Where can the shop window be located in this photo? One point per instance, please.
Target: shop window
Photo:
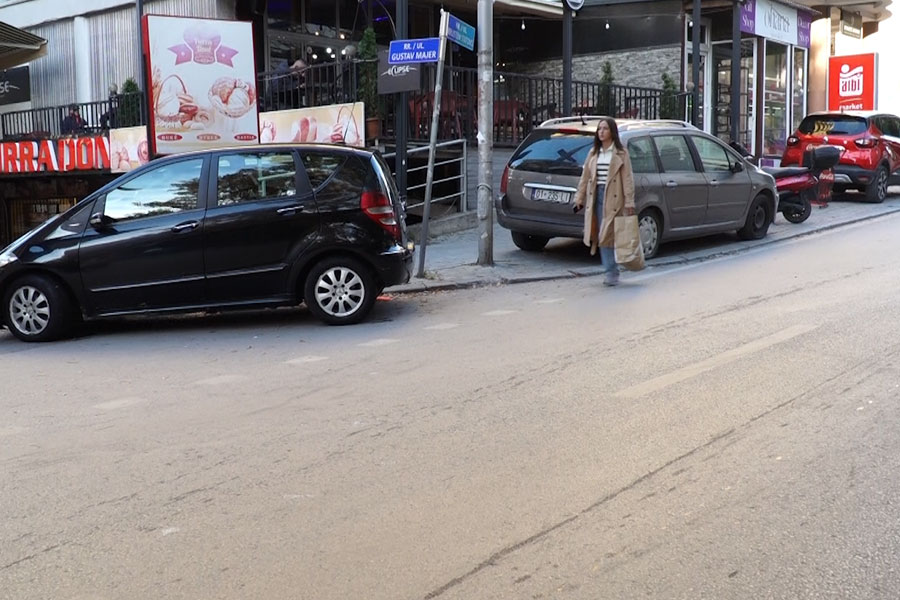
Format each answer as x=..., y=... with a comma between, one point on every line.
x=775, y=106
x=798, y=108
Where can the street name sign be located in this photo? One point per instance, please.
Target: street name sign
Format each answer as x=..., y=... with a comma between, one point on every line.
x=409, y=52
x=462, y=33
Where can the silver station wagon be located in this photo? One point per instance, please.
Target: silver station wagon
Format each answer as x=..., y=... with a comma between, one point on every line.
x=686, y=184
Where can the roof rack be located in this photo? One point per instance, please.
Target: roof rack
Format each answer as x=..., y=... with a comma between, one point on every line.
x=579, y=119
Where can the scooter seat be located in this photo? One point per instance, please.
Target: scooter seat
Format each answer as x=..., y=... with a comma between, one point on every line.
x=779, y=172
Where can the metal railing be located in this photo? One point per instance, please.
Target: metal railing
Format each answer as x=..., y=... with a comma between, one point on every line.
x=316, y=85
x=445, y=175
x=122, y=110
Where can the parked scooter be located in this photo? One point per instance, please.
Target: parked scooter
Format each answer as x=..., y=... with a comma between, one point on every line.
x=801, y=187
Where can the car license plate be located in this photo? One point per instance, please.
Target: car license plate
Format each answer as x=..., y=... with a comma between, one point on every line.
x=554, y=196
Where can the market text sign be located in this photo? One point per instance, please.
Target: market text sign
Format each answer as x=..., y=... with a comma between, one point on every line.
x=851, y=82
x=55, y=156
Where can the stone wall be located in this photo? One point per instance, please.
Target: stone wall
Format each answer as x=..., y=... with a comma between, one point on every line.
x=637, y=68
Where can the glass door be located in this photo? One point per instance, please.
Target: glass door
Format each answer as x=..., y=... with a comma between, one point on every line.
x=775, y=100
x=722, y=93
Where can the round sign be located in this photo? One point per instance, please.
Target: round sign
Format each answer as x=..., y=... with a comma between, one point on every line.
x=575, y=5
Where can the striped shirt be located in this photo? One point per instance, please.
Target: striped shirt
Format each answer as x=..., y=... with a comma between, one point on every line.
x=603, y=159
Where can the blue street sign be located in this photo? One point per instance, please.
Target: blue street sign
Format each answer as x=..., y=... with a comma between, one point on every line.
x=408, y=52
x=462, y=33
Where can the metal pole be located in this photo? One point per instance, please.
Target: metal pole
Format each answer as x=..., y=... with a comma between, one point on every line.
x=435, y=121
x=139, y=30
x=401, y=108
x=735, y=71
x=567, y=60
x=486, y=132
x=695, y=63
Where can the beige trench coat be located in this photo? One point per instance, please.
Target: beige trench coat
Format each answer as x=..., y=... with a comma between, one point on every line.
x=619, y=194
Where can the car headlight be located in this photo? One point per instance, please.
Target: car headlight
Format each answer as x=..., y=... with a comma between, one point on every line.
x=6, y=258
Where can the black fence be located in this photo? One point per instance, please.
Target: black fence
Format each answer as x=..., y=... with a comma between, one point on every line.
x=122, y=110
x=317, y=85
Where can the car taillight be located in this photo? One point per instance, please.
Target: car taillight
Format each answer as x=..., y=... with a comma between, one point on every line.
x=866, y=142
x=504, y=180
x=793, y=141
x=378, y=207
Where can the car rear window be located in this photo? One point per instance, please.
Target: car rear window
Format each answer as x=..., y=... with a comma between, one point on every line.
x=833, y=125
x=549, y=151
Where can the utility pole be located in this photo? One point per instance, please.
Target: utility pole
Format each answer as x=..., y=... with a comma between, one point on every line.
x=485, y=136
x=567, y=59
x=695, y=63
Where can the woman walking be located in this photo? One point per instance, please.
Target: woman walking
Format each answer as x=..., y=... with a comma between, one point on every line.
x=607, y=189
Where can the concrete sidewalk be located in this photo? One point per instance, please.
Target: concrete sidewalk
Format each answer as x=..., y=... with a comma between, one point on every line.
x=450, y=260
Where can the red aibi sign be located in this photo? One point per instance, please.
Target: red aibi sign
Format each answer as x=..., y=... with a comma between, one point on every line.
x=851, y=82
x=55, y=156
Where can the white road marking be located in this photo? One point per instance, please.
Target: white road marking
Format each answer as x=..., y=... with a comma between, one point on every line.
x=121, y=403
x=684, y=373
x=170, y=530
x=379, y=342
x=306, y=359
x=442, y=326
x=550, y=301
x=221, y=380
x=498, y=313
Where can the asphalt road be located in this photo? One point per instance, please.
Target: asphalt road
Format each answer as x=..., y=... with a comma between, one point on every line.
x=724, y=430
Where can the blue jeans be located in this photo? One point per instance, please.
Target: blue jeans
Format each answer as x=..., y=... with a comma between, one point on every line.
x=607, y=255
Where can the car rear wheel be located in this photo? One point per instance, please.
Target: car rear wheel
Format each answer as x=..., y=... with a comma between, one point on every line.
x=650, y=228
x=340, y=291
x=877, y=190
x=758, y=220
x=529, y=243
x=38, y=309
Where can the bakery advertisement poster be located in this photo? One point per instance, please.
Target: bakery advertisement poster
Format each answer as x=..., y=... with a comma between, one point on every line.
x=334, y=124
x=127, y=149
x=203, y=83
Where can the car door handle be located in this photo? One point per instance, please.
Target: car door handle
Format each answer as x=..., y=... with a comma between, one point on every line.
x=714, y=183
x=671, y=184
x=189, y=226
x=289, y=210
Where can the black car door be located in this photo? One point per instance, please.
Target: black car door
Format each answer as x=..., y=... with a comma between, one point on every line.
x=261, y=215
x=144, y=248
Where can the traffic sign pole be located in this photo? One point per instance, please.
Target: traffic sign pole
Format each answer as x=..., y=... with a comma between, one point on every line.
x=435, y=121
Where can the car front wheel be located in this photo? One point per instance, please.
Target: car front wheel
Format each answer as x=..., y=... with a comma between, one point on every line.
x=758, y=219
x=340, y=291
x=37, y=309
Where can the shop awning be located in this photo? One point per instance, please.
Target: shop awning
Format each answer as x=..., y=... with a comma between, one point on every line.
x=542, y=8
x=18, y=47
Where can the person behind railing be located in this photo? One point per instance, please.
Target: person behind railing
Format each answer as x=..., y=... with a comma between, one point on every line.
x=73, y=123
x=110, y=119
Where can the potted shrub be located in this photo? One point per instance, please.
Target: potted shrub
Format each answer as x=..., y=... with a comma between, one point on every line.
x=368, y=83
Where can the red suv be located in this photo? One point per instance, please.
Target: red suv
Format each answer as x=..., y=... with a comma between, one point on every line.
x=871, y=142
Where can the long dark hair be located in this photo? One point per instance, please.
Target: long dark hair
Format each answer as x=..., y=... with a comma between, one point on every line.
x=613, y=130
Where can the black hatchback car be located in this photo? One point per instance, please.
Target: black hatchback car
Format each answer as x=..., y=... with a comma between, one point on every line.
x=227, y=228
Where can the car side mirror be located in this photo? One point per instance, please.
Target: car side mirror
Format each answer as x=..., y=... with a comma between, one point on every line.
x=737, y=167
x=99, y=221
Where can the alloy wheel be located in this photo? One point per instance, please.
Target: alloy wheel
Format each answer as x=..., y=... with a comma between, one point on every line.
x=882, y=185
x=29, y=310
x=649, y=230
x=340, y=291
